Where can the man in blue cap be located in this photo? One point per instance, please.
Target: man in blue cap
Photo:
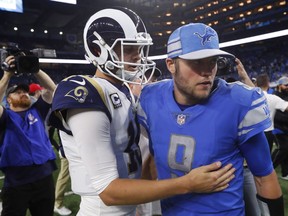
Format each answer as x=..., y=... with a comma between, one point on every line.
x=196, y=119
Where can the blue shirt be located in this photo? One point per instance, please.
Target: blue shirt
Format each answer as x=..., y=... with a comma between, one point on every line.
x=25, y=145
x=218, y=129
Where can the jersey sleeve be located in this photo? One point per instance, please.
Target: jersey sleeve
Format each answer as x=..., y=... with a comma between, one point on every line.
x=257, y=155
x=98, y=158
x=255, y=115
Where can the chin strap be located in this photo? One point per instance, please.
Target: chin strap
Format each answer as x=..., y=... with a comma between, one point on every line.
x=271, y=207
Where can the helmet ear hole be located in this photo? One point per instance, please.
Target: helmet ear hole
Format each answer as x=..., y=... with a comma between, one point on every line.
x=97, y=52
x=95, y=49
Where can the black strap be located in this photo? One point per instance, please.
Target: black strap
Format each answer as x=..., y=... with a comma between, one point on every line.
x=274, y=206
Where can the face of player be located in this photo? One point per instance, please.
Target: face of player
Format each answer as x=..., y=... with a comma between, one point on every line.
x=131, y=54
x=19, y=99
x=193, y=79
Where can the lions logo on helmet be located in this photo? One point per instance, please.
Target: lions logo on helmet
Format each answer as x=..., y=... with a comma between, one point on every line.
x=112, y=26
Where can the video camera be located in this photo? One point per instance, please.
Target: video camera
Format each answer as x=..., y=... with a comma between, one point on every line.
x=25, y=61
x=226, y=65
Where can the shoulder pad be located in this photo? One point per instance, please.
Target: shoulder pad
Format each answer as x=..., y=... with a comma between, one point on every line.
x=78, y=92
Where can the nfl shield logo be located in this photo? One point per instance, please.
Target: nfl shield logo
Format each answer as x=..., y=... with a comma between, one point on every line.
x=181, y=119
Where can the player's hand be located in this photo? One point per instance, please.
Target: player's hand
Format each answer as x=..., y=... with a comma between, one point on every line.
x=210, y=178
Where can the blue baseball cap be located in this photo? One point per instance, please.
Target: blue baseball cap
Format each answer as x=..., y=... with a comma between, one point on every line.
x=194, y=41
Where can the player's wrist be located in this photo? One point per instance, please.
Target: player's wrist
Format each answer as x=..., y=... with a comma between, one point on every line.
x=190, y=184
x=181, y=185
x=275, y=206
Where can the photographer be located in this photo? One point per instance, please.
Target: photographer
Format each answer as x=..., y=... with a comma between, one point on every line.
x=26, y=155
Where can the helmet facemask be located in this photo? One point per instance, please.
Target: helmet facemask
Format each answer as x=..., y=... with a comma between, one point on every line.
x=105, y=40
x=117, y=65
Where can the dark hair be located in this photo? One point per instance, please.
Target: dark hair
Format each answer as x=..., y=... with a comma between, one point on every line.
x=262, y=80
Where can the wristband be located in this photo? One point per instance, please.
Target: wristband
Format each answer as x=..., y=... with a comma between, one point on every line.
x=271, y=207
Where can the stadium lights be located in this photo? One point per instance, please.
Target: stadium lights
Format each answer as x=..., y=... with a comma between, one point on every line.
x=63, y=61
x=224, y=44
x=254, y=38
x=66, y=1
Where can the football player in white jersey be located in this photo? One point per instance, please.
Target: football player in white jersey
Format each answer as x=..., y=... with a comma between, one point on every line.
x=101, y=130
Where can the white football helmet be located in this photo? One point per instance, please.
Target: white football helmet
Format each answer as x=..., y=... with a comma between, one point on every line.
x=117, y=26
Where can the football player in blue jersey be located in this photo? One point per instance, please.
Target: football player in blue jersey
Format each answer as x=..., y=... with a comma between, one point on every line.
x=196, y=119
x=99, y=127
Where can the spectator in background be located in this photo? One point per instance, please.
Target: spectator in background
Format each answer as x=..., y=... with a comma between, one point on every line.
x=35, y=91
x=27, y=158
x=274, y=103
x=280, y=154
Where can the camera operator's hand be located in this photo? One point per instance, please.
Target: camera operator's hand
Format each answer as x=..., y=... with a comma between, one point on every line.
x=10, y=61
x=243, y=76
x=9, y=64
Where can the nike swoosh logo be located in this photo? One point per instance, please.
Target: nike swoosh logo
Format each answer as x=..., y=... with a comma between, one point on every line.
x=83, y=82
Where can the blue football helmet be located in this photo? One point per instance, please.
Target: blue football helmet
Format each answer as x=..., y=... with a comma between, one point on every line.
x=110, y=27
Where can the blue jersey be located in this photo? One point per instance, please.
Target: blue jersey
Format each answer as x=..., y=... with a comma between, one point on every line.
x=211, y=131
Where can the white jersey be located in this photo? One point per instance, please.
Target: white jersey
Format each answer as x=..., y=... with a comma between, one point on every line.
x=103, y=146
x=274, y=103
